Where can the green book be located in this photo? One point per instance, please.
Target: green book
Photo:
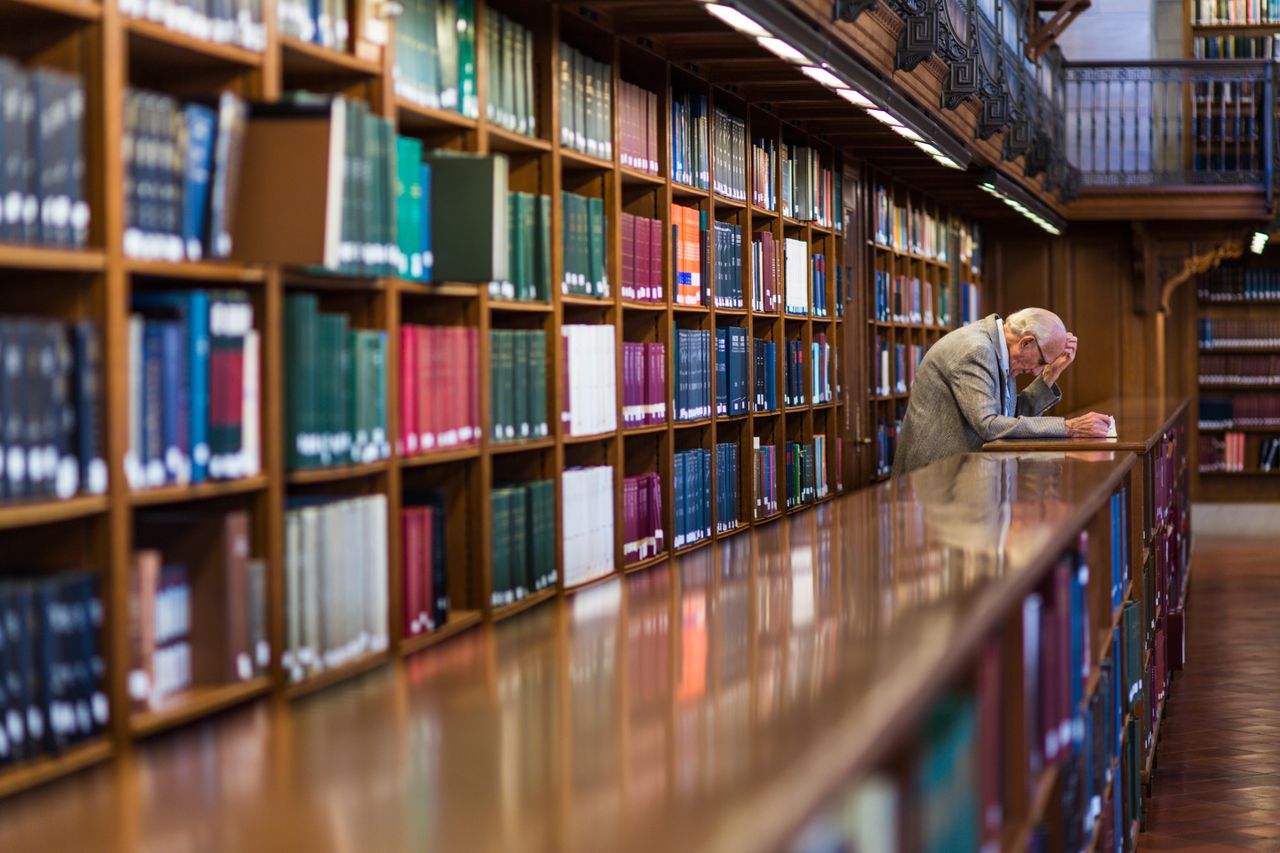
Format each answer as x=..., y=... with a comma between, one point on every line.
x=408, y=206
x=538, y=384
x=429, y=65
x=530, y=111
x=511, y=40
x=514, y=288
x=467, y=93
x=492, y=41
x=470, y=242
x=542, y=263
x=378, y=357
x=528, y=246
x=499, y=539
x=596, y=271
x=447, y=60
x=519, y=542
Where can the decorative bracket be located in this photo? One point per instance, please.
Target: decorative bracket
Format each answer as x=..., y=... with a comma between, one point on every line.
x=849, y=10
x=962, y=82
x=918, y=39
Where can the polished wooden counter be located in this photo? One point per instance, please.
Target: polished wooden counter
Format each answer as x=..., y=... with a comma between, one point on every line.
x=1140, y=421
x=710, y=703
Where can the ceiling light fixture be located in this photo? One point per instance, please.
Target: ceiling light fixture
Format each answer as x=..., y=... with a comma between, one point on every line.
x=782, y=49
x=855, y=97
x=883, y=117
x=823, y=76
x=910, y=134
x=1259, y=242
x=739, y=21
x=1018, y=198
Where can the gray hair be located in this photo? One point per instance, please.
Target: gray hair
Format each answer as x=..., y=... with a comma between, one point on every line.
x=1040, y=323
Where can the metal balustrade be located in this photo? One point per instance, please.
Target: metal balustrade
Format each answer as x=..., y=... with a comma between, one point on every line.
x=1170, y=122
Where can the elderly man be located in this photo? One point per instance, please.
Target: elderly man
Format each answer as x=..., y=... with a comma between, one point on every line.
x=965, y=395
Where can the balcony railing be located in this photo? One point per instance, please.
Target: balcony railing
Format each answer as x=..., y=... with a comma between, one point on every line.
x=1171, y=122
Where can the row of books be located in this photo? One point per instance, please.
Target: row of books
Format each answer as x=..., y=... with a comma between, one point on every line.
x=1242, y=410
x=586, y=103
x=810, y=192
x=728, y=487
x=42, y=147
x=818, y=279
x=181, y=168
x=692, y=496
x=52, y=688
x=435, y=51
x=727, y=263
x=796, y=272
x=764, y=272
x=588, y=523
x=896, y=366
x=236, y=22
x=518, y=384
x=1235, y=12
x=425, y=588
x=194, y=374
x=336, y=605
x=590, y=382
x=820, y=365
x=689, y=161
x=764, y=459
x=642, y=259
x=689, y=255
x=638, y=128
x=511, y=102
x=693, y=374
x=337, y=390
x=906, y=299
x=197, y=606
x=528, y=250
x=1239, y=284
x=439, y=405
x=886, y=443
x=793, y=374
x=1235, y=47
x=644, y=384
x=731, y=371
x=969, y=246
x=523, y=539
x=1226, y=452
x=583, y=243
x=642, y=535
x=50, y=409
x=325, y=23
x=764, y=165
x=729, y=154
x=910, y=229
x=766, y=371
x=1217, y=333
x=1240, y=370
x=805, y=471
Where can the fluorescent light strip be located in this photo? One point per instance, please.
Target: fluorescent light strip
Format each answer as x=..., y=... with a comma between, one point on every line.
x=1030, y=214
x=910, y=134
x=740, y=22
x=782, y=49
x=855, y=97
x=823, y=76
x=883, y=117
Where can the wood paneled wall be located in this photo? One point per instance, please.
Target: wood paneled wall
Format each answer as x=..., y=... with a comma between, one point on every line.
x=1087, y=277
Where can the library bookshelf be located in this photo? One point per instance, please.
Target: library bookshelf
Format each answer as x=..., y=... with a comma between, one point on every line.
x=923, y=263
x=113, y=52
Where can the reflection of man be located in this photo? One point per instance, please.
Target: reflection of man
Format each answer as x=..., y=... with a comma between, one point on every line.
x=965, y=394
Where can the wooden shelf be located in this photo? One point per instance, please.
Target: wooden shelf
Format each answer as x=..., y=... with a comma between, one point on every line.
x=449, y=290
x=679, y=190
x=338, y=674
x=573, y=161
x=157, y=46
x=46, y=259
x=725, y=201
x=511, y=306
x=337, y=473
x=647, y=562
x=510, y=142
x=15, y=515
x=574, y=299
x=459, y=621
x=638, y=178
x=21, y=777
x=305, y=59
x=515, y=608
x=651, y=429
x=523, y=446
x=1237, y=386
x=1275, y=428
x=197, y=491
x=1261, y=348
x=27, y=12
x=1244, y=303
x=196, y=271
x=591, y=439
x=303, y=279
x=196, y=702
x=691, y=309
x=440, y=457
x=1253, y=473
x=632, y=305
x=413, y=116
x=756, y=210
x=722, y=311
x=697, y=424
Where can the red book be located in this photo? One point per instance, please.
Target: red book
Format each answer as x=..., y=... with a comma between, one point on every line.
x=426, y=569
x=408, y=441
x=628, y=223
x=427, y=392
x=412, y=537
x=630, y=547
x=651, y=119
x=473, y=380
x=655, y=373
x=652, y=260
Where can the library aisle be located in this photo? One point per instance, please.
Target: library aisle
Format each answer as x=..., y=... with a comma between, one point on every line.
x=1218, y=781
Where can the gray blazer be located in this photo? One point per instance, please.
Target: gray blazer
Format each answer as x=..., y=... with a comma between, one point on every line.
x=955, y=401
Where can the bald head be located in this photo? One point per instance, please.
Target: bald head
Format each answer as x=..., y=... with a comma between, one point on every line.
x=1036, y=336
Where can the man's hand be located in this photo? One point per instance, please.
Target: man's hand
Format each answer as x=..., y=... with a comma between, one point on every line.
x=1055, y=368
x=1092, y=425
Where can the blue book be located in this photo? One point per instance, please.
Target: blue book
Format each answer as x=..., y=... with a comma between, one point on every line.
x=192, y=309
x=201, y=123
x=678, y=477
x=152, y=428
x=171, y=376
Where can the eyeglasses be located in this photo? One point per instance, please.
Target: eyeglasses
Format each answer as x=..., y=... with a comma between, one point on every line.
x=1044, y=362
